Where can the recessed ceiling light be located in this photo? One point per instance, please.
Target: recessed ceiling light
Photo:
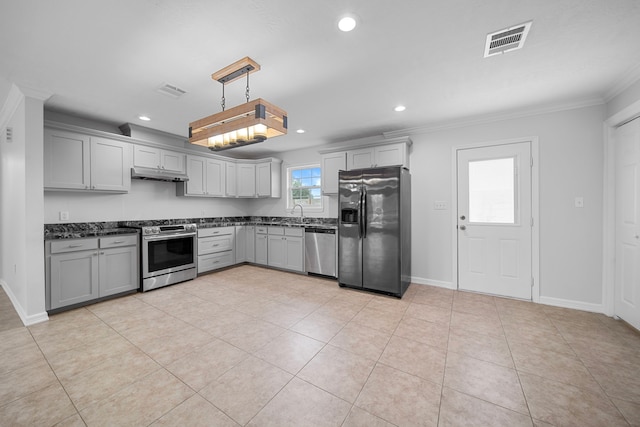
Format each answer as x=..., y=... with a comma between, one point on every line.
x=300, y=131
x=347, y=23
x=400, y=108
x=145, y=118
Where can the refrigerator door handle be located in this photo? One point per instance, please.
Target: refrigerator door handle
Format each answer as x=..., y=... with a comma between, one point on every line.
x=364, y=213
x=360, y=214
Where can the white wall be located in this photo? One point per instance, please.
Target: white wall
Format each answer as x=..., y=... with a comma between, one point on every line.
x=146, y=200
x=21, y=206
x=570, y=165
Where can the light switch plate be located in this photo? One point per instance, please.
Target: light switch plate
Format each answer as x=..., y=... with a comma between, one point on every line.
x=64, y=215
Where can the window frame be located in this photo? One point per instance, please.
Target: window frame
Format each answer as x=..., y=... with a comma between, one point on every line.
x=290, y=169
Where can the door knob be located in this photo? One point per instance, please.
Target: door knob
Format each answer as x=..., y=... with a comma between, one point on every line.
x=463, y=227
x=463, y=217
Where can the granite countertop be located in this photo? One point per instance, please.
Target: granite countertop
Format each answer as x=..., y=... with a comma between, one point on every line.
x=99, y=229
x=267, y=224
x=78, y=234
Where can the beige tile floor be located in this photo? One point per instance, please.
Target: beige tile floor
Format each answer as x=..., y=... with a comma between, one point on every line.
x=258, y=347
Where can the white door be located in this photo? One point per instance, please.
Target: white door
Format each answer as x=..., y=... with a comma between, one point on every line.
x=494, y=220
x=627, y=281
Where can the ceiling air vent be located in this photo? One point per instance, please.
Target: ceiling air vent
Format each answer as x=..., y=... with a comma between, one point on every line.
x=506, y=40
x=171, y=90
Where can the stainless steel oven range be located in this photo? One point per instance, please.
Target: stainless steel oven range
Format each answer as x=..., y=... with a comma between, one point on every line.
x=169, y=255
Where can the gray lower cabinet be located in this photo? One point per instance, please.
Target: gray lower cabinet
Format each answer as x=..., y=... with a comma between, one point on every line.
x=81, y=270
x=216, y=248
x=245, y=243
x=286, y=248
x=261, y=245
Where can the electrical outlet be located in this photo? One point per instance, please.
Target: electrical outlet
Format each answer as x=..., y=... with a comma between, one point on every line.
x=579, y=202
x=439, y=205
x=64, y=215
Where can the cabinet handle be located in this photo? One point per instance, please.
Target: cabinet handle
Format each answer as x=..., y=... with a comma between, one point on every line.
x=215, y=246
x=95, y=254
x=102, y=253
x=76, y=246
x=117, y=241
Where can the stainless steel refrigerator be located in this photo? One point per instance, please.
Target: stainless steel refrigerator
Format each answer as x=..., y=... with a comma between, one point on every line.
x=374, y=230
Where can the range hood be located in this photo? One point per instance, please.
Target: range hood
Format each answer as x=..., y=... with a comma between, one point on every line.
x=158, y=175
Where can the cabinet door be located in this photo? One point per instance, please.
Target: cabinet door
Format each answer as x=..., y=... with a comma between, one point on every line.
x=277, y=251
x=215, y=177
x=241, y=243
x=197, y=184
x=262, y=249
x=246, y=180
x=263, y=179
x=294, y=253
x=230, y=184
x=146, y=157
x=331, y=165
x=172, y=161
x=360, y=159
x=110, y=165
x=390, y=155
x=66, y=160
x=74, y=278
x=118, y=270
x=250, y=243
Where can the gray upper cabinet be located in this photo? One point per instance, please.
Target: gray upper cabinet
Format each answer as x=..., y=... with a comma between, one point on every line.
x=246, y=180
x=378, y=156
x=206, y=178
x=75, y=161
x=388, y=152
x=332, y=164
x=156, y=158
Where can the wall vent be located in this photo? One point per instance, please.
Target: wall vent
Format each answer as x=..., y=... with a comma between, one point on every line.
x=506, y=40
x=171, y=90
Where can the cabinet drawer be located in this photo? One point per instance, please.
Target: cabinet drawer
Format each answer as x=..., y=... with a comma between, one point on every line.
x=117, y=241
x=213, y=261
x=279, y=231
x=216, y=231
x=208, y=245
x=61, y=246
x=261, y=230
x=294, y=231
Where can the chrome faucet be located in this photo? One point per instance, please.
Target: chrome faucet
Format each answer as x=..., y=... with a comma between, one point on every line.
x=301, y=210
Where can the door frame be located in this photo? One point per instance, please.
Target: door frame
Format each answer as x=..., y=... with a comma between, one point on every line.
x=535, y=208
x=609, y=210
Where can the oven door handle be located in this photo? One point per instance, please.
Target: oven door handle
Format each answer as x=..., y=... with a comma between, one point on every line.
x=168, y=236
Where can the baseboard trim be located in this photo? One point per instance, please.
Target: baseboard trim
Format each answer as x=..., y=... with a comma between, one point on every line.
x=432, y=282
x=577, y=305
x=26, y=319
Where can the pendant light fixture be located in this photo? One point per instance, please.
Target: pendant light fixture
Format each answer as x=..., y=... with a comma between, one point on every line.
x=246, y=124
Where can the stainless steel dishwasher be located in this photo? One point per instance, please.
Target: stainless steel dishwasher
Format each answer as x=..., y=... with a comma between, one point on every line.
x=320, y=251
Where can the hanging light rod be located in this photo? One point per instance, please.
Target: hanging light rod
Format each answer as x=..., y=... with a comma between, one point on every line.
x=246, y=124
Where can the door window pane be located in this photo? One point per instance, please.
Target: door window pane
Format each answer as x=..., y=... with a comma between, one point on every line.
x=492, y=187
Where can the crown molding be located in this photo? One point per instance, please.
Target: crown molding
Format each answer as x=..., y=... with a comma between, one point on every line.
x=623, y=84
x=35, y=93
x=479, y=120
x=11, y=104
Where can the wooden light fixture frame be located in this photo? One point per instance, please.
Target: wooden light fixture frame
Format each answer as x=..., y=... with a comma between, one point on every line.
x=248, y=115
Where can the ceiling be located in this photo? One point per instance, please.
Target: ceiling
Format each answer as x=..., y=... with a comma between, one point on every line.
x=105, y=60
